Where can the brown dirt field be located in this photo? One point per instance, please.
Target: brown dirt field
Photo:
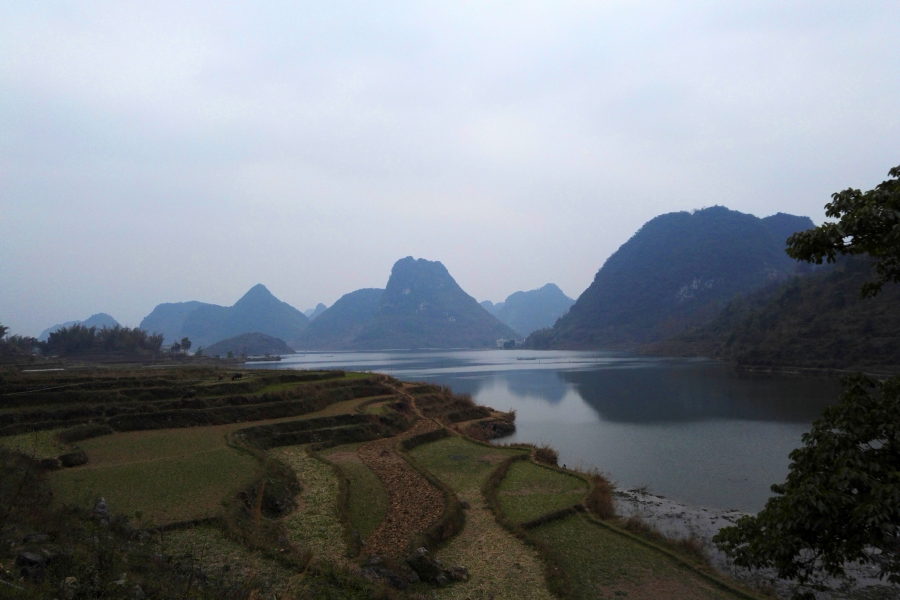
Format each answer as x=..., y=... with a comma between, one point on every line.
x=413, y=505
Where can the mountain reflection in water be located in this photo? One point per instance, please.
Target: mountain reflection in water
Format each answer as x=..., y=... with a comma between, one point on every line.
x=693, y=430
x=680, y=391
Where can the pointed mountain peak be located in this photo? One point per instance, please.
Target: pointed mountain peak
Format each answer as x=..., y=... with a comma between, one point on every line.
x=411, y=267
x=413, y=282
x=257, y=293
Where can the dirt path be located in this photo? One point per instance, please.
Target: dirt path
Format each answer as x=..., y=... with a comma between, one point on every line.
x=413, y=503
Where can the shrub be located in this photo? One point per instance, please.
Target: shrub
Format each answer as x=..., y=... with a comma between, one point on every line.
x=600, y=499
x=547, y=455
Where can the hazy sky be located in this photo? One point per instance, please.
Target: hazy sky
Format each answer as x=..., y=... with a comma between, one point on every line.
x=167, y=151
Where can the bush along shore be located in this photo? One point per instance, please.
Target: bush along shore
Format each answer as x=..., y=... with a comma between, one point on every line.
x=199, y=483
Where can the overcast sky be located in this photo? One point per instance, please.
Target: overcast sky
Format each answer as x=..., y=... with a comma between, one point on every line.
x=167, y=151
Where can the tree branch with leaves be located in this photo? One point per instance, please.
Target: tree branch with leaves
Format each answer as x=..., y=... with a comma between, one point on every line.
x=867, y=223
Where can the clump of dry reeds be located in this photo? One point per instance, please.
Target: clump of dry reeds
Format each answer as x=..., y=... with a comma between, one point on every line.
x=547, y=455
x=600, y=500
x=691, y=544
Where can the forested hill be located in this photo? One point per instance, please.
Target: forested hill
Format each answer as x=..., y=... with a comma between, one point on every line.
x=818, y=321
x=249, y=344
x=422, y=306
x=677, y=272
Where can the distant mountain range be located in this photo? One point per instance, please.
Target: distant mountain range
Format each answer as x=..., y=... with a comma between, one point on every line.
x=249, y=344
x=258, y=311
x=526, y=312
x=713, y=282
x=422, y=306
x=677, y=272
x=100, y=320
x=815, y=321
x=312, y=313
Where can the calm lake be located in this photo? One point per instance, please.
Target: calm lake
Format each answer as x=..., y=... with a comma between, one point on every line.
x=692, y=430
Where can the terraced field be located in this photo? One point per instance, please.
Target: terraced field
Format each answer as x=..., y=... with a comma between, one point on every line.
x=602, y=563
x=501, y=565
x=320, y=484
x=530, y=490
x=367, y=500
x=168, y=474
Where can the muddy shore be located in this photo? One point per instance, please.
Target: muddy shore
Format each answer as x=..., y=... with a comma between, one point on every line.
x=678, y=520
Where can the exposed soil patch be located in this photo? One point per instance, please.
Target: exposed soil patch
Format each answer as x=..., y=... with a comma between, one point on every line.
x=494, y=459
x=413, y=505
x=344, y=457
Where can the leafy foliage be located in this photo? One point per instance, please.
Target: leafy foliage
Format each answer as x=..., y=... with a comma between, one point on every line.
x=841, y=500
x=79, y=339
x=16, y=345
x=868, y=223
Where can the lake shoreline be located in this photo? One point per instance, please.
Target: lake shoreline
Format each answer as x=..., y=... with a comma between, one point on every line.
x=678, y=520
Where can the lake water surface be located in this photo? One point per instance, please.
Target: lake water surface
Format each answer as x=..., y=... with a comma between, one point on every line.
x=692, y=430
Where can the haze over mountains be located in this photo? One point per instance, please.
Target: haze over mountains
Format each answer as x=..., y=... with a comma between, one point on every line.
x=100, y=320
x=422, y=306
x=714, y=282
x=678, y=271
x=168, y=319
x=340, y=325
x=312, y=313
x=526, y=312
x=258, y=311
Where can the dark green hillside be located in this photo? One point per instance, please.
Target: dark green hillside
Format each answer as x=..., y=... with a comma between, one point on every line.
x=678, y=271
x=423, y=307
x=249, y=344
x=257, y=311
x=784, y=225
x=527, y=311
x=818, y=321
x=338, y=326
x=168, y=319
